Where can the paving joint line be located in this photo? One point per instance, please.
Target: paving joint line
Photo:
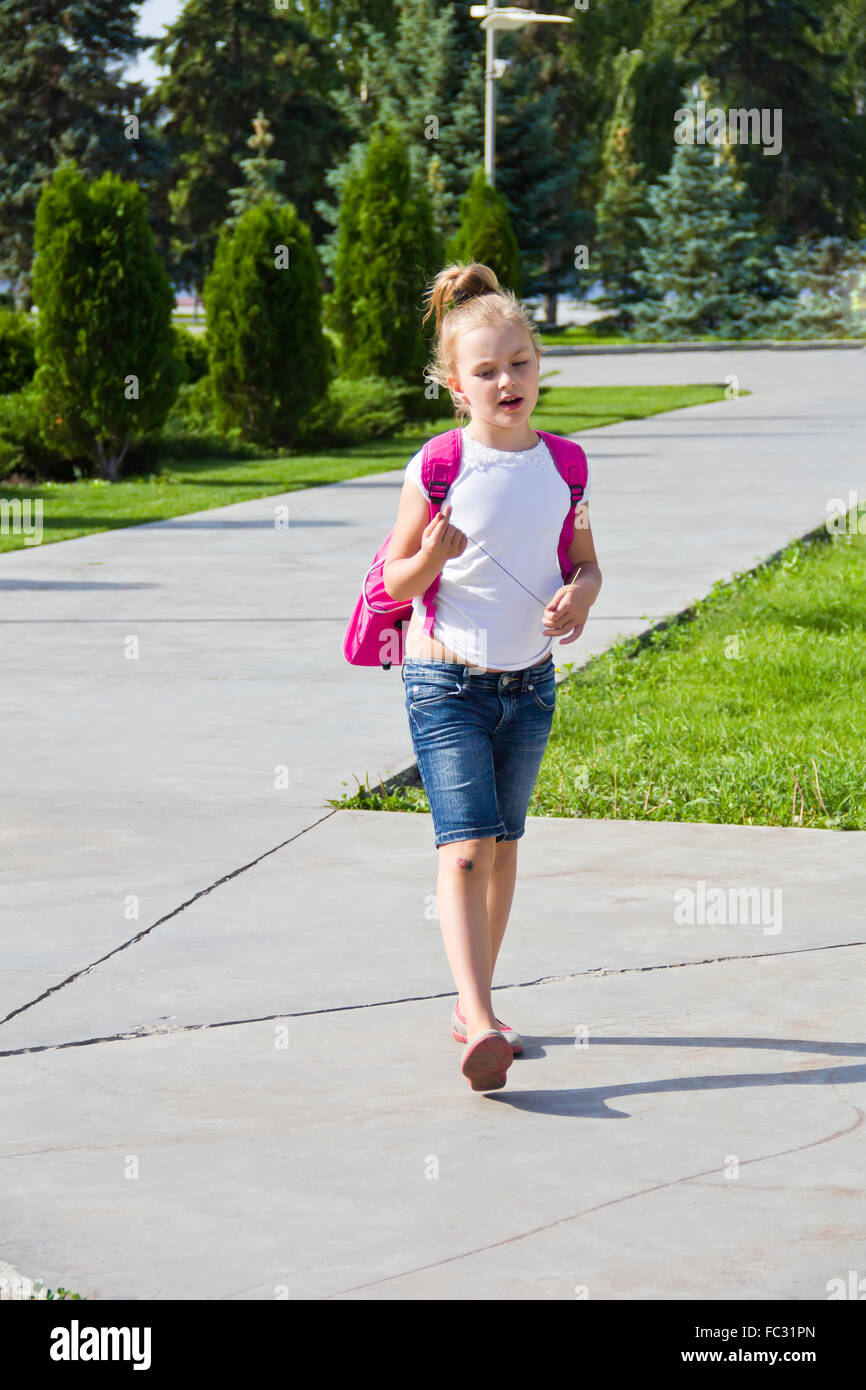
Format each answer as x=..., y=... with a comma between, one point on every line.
x=203, y=892
x=149, y=1030
x=612, y=1202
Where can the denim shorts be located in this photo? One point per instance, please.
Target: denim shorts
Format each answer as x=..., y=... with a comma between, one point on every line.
x=479, y=738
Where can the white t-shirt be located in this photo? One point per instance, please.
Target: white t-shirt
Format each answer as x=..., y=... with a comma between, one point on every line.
x=513, y=505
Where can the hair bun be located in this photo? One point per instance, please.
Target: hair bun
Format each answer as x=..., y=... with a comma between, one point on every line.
x=464, y=293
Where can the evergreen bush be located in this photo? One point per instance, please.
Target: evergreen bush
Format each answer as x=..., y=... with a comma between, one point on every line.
x=191, y=350
x=106, y=372
x=269, y=359
x=387, y=253
x=355, y=410
x=485, y=233
x=22, y=446
x=17, y=350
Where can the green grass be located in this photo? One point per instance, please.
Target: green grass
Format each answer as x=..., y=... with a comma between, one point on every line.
x=183, y=484
x=584, y=335
x=749, y=710
x=587, y=335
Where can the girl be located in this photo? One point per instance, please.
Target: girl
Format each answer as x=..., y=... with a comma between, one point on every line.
x=480, y=692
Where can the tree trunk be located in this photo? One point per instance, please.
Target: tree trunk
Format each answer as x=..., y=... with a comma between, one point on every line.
x=550, y=304
x=115, y=460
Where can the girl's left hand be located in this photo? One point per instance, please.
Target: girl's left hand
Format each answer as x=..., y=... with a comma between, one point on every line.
x=566, y=613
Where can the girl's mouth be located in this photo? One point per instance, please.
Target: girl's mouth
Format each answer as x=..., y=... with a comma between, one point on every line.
x=511, y=402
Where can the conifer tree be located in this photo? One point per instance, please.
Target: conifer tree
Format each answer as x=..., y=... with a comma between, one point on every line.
x=261, y=175
x=62, y=96
x=425, y=76
x=251, y=57
x=387, y=253
x=818, y=280
x=106, y=372
x=540, y=165
x=268, y=357
x=703, y=257
x=774, y=55
x=618, y=233
x=486, y=234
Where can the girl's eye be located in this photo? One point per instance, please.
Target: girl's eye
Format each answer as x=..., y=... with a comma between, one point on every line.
x=516, y=364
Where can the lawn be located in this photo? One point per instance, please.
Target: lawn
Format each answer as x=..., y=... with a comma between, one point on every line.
x=587, y=335
x=748, y=711
x=182, y=484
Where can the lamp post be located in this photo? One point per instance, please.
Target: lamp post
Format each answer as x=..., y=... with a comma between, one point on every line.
x=493, y=19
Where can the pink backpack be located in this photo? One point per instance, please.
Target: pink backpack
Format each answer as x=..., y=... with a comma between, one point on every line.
x=374, y=636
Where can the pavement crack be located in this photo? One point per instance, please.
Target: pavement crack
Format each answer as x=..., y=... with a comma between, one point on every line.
x=133, y=940
x=149, y=1030
x=683, y=964
x=600, y=1206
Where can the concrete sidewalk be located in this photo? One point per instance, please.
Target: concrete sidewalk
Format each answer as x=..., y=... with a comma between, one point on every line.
x=209, y=974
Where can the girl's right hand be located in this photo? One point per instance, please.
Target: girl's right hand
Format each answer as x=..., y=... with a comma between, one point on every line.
x=441, y=541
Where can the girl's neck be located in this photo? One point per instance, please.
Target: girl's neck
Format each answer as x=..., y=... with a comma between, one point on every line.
x=500, y=439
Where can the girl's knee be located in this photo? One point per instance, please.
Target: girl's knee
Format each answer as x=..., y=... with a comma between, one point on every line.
x=468, y=856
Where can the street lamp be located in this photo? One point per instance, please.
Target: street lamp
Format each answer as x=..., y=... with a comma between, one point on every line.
x=493, y=19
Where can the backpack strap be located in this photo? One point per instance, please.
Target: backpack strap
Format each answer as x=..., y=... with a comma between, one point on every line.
x=440, y=464
x=571, y=463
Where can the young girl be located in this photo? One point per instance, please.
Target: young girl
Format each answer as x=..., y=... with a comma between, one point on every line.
x=480, y=692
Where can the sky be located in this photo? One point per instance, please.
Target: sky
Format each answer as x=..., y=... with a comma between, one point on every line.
x=155, y=16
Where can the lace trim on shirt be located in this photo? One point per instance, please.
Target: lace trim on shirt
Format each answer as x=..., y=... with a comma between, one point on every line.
x=538, y=456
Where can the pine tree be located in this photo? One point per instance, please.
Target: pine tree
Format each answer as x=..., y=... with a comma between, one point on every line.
x=703, y=258
x=618, y=233
x=61, y=96
x=540, y=165
x=486, y=234
x=106, y=371
x=261, y=175
x=258, y=58
x=591, y=51
x=387, y=253
x=818, y=281
x=773, y=55
x=427, y=77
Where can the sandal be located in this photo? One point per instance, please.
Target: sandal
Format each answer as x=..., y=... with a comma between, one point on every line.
x=458, y=1031
x=486, y=1060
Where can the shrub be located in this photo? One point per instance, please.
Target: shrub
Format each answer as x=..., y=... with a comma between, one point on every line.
x=486, y=234
x=269, y=358
x=106, y=371
x=350, y=411
x=17, y=355
x=22, y=446
x=191, y=350
x=387, y=250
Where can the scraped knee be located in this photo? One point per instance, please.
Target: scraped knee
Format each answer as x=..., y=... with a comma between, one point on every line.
x=469, y=857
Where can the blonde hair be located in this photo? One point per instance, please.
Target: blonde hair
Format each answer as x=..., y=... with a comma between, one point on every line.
x=476, y=298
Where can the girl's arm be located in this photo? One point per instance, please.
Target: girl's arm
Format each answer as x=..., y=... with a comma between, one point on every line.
x=566, y=614
x=582, y=555
x=418, y=548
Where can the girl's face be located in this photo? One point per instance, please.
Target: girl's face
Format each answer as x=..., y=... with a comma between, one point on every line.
x=494, y=362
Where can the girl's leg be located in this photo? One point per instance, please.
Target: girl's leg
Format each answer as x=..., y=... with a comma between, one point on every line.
x=500, y=894
x=465, y=871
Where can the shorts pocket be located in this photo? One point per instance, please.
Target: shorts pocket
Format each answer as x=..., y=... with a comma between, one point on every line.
x=543, y=692
x=421, y=692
